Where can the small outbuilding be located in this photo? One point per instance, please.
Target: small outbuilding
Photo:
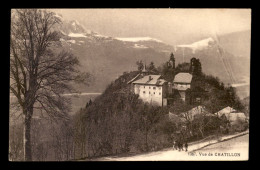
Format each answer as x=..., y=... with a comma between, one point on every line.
x=198, y=110
x=182, y=82
x=231, y=115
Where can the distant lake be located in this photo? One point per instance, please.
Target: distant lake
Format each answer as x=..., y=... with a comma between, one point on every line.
x=78, y=100
x=244, y=81
x=243, y=87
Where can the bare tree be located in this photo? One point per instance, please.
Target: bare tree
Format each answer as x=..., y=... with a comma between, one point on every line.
x=39, y=73
x=16, y=143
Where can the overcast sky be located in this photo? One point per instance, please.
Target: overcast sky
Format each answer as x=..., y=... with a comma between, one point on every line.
x=165, y=24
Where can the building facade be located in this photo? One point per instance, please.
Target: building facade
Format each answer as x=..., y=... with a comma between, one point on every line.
x=182, y=82
x=152, y=89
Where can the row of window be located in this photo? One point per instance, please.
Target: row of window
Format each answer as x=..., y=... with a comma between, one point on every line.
x=150, y=92
x=153, y=88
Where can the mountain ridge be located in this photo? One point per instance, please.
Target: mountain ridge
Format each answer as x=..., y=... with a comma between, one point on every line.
x=108, y=57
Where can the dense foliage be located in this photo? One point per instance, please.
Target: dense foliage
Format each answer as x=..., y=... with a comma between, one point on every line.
x=118, y=122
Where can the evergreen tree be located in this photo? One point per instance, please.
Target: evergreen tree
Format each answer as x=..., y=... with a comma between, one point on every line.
x=195, y=67
x=140, y=65
x=172, y=61
x=90, y=102
x=182, y=67
x=198, y=69
x=151, y=68
x=167, y=72
x=168, y=69
x=192, y=64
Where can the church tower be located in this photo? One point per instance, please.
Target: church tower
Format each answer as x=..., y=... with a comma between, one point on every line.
x=144, y=71
x=172, y=61
x=192, y=65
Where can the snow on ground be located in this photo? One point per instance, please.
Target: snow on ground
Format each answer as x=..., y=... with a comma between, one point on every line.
x=136, y=39
x=165, y=51
x=76, y=35
x=88, y=31
x=58, y=16
x=236, y=148
x=198, y=45
x=139, y=46
x=71, y=41
x=75, y=22
x=102, y=36
x=63, y=32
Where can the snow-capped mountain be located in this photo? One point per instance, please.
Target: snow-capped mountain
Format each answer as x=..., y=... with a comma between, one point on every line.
x=217, y=61
x=73, y=29
x=199, y=45
x=108, y=57
x=137, y=39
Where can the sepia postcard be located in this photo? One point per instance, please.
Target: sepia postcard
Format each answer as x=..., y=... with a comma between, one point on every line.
x=160, y=84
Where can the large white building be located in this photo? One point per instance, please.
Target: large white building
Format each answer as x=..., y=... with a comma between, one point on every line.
x=153, y=89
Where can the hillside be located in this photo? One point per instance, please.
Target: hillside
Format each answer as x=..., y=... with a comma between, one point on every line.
x=119, y=122
x=237, y=43
x=208, y=53
x=223, y=66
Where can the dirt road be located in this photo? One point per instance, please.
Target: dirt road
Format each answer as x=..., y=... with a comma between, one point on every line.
x=232, y=149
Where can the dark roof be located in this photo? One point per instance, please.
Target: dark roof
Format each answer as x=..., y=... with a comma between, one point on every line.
x=196, y=111
x=155, y=80
x=183, y=78
x=136, y=77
